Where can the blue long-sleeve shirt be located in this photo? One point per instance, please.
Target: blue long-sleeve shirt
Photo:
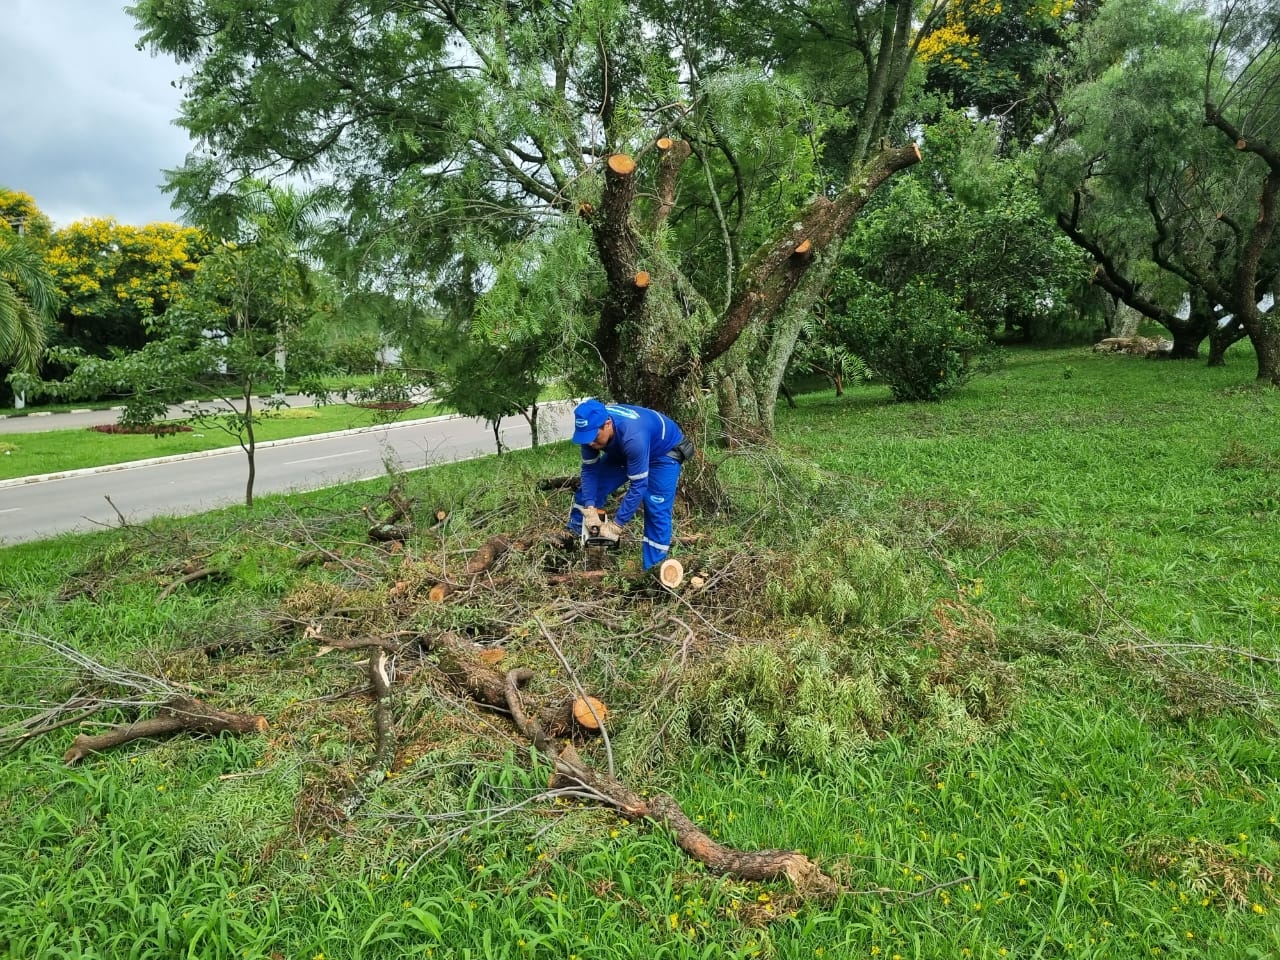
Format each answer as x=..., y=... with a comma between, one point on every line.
x=640, y=436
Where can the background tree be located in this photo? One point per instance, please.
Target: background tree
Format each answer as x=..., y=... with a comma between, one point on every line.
x=991, y=57
x=225, y=332
x=28, y=295
x=454, y=130
x=1136, y=178
x=969, y=223
x=117, y=279
x=19, y=214
x=1242, y=105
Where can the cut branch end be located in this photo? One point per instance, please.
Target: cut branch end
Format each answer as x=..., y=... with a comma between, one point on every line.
x=622, y=165
x=589, y=713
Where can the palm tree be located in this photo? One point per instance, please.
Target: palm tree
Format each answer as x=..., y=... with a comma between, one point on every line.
x=28, y=303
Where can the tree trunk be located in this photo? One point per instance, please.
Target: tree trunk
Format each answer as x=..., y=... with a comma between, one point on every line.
x=1251, y=245
x=250, y=445
x=1126, y=321
x=644, y=340
x=1266, y=343
x=1221, y=340
x=1186, y=344
x=531, y=416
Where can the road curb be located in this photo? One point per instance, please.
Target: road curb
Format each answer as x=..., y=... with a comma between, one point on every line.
x=217, y=452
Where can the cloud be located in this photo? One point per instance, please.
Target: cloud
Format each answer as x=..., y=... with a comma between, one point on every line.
x=89, y=118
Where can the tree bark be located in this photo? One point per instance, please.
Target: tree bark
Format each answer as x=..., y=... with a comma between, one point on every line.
x=1252, y=242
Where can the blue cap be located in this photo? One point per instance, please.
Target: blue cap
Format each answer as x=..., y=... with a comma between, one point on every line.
x=588, y=417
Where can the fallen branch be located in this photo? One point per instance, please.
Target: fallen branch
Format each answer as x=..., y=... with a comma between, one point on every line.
x=577, y=576
x=179, y=714
x=490, y=552
x=501, y=691
x=380, y=679
x=203, y=573
x=388, y=532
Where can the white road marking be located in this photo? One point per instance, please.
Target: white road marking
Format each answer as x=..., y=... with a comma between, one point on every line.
x=11, y=510
x=332, y=456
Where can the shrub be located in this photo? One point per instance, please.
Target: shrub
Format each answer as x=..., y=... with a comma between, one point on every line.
x=916, y=341
x=391, y=387
x=356, y=355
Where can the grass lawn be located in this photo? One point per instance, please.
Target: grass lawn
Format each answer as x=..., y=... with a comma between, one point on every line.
x=53, y=451
x=1005, y=667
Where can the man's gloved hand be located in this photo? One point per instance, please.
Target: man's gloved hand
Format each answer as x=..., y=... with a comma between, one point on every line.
x=610, y=531
x=590, y=517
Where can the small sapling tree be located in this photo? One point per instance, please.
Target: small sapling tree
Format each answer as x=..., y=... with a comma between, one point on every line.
x=224, y=335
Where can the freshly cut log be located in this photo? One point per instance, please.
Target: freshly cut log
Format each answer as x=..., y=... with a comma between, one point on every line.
x=671, y=573
x=441, y=591
x=622, y=165
x=589, y=713
x=490, y=552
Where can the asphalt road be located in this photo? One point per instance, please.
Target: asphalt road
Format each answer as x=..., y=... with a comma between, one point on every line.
x=181, y=486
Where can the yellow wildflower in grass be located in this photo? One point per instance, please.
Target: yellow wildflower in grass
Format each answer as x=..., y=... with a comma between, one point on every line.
x=1259, y=909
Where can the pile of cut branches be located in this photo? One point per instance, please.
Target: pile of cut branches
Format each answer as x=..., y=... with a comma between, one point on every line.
x=409, y=629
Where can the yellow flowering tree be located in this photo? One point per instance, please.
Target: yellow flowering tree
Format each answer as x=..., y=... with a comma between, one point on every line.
x=989, y=54
x=20, y=215
x=116, y=279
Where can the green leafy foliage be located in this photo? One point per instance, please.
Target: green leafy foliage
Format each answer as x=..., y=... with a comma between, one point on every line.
x=356, y=354
x=916, y=340
x=28, y=302
x=809, y=700
x=969, y=222
x=848, y=581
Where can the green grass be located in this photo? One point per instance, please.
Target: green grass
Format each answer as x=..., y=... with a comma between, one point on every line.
x=53, y=451
x=1103, y=528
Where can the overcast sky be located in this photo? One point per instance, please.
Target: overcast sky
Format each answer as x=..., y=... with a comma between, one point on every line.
x=88, y=119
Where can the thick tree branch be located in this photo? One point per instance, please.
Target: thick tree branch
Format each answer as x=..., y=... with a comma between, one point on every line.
x=180, y=713
x=501, y=692
x=774, y=273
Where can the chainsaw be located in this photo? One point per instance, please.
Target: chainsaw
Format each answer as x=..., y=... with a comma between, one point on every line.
x=591, y=535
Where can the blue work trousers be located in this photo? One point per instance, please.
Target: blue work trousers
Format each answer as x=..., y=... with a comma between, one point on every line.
x=659, y=501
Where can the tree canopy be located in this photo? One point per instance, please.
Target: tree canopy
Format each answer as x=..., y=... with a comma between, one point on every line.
x=116, y=279
x=455, y=131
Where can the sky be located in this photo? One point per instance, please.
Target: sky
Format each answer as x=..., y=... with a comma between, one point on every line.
x=88, y=118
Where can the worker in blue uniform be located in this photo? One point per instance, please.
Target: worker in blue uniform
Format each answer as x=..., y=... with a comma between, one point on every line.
x=636, y=446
